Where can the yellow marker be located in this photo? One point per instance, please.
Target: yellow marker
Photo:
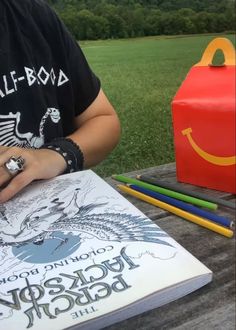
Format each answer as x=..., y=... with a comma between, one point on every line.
x=217, y=160
x=186, y=215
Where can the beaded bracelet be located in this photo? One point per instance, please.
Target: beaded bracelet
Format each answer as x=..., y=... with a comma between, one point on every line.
x=70, y=151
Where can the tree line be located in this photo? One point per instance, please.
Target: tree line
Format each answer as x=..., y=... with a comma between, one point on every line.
x=92, y=19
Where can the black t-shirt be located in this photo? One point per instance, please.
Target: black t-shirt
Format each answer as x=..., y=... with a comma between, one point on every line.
x=45, y=80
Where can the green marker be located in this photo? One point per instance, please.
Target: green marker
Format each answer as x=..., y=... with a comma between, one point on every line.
x=167, y=192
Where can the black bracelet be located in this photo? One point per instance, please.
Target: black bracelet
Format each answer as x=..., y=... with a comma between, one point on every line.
x=70, y=151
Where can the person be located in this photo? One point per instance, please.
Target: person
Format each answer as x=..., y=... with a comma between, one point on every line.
x=54, y=116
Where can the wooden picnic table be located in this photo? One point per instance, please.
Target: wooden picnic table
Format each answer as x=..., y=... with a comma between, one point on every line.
x=212, y=306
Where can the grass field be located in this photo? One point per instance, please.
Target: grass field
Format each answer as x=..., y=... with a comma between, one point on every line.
x=141, y=77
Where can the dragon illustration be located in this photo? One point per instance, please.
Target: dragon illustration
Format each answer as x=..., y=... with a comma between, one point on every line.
x=10, y=135
x=44, y=222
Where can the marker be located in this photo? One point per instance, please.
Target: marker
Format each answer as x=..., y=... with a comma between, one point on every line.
x=166, y=192
x=185, y=206
x=178, y=188
x=186, y=215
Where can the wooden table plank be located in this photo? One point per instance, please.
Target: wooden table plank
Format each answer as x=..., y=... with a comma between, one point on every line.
x=211, y=307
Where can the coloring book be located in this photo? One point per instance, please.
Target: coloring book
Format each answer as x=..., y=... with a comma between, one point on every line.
x=76, y=253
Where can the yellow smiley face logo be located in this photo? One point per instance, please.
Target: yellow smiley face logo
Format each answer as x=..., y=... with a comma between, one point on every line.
x=216, y=160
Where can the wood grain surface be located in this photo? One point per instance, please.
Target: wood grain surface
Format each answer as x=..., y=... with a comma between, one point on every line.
x=211, y=307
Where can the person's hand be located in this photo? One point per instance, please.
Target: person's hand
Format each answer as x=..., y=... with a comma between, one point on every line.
x=39, y=164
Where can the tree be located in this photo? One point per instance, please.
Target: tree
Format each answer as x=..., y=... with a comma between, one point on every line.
x=92, y=19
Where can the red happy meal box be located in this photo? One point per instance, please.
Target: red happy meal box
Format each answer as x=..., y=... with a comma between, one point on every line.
x=203, y=112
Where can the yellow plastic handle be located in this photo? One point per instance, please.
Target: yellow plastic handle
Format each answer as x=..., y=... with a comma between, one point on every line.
x=225, y=46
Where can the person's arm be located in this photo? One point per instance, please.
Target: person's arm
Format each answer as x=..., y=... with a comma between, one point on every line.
x=98, y=130
x=97, y=133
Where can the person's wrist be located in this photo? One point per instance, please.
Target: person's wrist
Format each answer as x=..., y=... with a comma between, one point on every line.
x=69, y=151
x=57, y=159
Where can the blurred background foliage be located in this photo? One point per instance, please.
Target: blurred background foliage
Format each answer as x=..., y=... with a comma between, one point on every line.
x=112, y=19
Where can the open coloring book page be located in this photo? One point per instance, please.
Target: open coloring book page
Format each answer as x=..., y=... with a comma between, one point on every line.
x=73, y=249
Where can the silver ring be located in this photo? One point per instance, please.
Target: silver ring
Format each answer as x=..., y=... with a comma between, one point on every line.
x=14, y=165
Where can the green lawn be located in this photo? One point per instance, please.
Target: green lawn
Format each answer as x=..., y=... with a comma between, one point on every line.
x=141, y=77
